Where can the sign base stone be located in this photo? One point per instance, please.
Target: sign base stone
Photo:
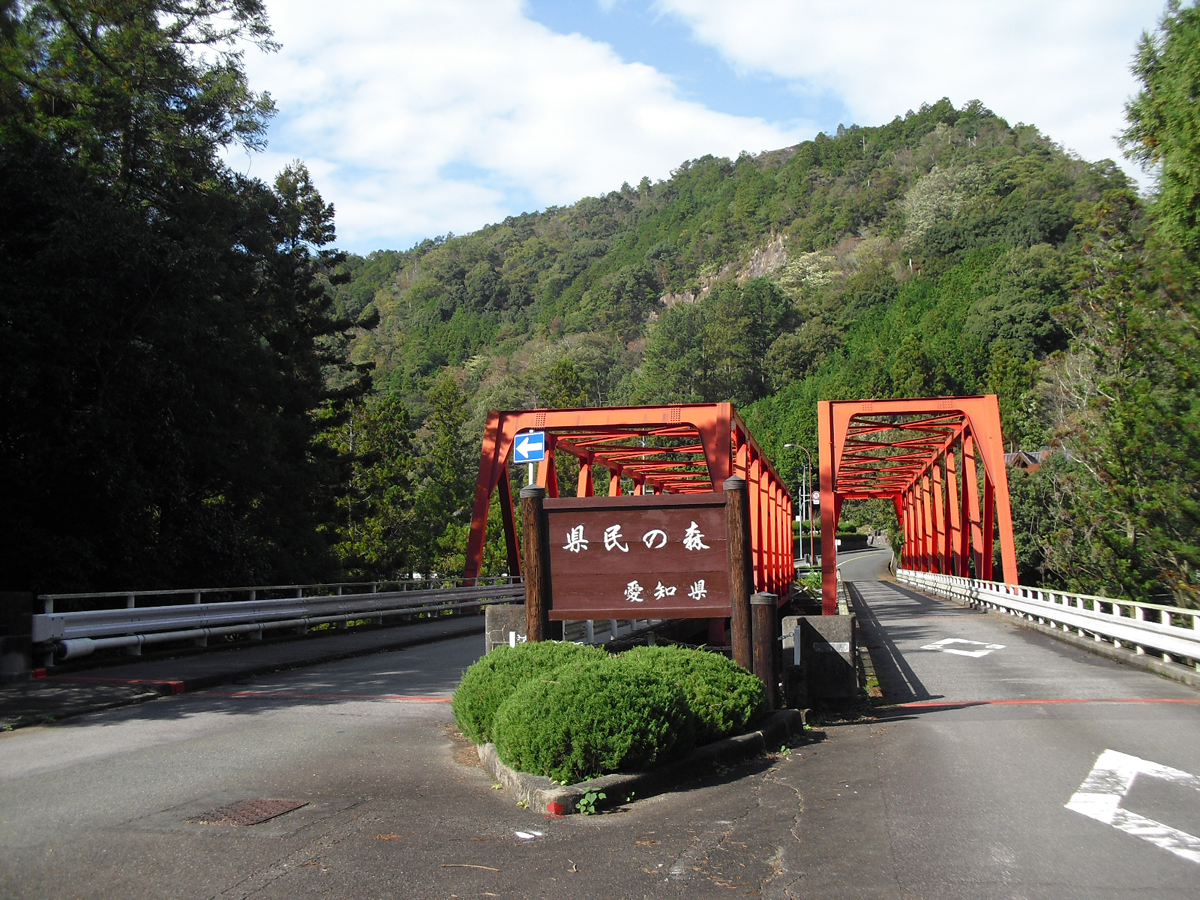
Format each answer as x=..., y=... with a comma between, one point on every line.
x=504, y=625
x=827, y=668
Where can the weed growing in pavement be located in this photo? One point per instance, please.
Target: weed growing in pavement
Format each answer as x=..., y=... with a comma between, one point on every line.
x=523, y=803
x=587, y=803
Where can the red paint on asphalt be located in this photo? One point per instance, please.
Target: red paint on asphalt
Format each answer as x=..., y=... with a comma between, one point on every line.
x=391, y=697
x=958, y=704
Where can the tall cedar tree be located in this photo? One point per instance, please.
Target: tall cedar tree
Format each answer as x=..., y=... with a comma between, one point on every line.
x=165, y=337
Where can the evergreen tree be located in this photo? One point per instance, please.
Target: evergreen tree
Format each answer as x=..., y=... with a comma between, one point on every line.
x=376, y=525
x=163, y=321
x=446, y=492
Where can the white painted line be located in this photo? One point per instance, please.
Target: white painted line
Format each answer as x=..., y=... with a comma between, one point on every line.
x=943, y=645
x=1100, y=796
x=527, y=835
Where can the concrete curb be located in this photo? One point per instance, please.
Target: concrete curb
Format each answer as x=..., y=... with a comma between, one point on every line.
x=544, y=796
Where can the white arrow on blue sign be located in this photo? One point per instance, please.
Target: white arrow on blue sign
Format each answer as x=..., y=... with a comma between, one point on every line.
x=531, y=447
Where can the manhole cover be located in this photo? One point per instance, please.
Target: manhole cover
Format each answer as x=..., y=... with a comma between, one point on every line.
x=246, y=812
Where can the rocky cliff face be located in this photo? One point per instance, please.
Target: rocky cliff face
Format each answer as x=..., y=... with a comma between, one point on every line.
x=763, y=261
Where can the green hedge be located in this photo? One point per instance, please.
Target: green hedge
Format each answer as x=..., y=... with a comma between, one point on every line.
x=724, y=697
x=572, y=712
x=492, y=680
x=583, y=721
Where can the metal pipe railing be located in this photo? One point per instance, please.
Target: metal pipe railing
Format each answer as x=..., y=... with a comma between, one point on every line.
x=1139, y=626
x=335, y=588
x=79, y=633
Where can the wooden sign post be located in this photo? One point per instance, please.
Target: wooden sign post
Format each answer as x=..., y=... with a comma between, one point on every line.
x=537, y=563
x=766, y=647
x=741, y=573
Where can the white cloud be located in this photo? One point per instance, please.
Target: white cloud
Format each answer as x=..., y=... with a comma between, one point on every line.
x=1062, y=65
x=418, y=118
x=389, y=102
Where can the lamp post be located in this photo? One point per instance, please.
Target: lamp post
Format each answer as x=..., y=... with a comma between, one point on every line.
x=806, y=494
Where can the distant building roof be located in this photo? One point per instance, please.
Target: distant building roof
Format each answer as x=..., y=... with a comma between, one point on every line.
x=1027, y=460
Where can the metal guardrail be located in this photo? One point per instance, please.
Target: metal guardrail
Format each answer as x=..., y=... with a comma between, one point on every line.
x=601, y=631
x=1142, y=627
x=71, y=635
x=321, y=589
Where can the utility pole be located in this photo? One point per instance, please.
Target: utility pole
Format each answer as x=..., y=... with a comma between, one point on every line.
x=806, y=503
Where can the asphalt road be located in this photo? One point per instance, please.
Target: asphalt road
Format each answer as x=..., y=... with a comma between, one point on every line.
x=960, y=789
x=966, y=784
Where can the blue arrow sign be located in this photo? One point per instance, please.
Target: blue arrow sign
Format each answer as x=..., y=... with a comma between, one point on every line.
x=531, y=447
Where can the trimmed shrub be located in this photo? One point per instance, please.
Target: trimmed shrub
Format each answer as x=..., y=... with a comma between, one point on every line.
x=491, y=680
x=724, y=697
x=591, y=719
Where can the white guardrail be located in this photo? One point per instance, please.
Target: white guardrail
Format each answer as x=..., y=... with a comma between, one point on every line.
x=77, y=633
x=1170, y=631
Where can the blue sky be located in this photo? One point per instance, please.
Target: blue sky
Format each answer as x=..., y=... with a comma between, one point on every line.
x=420, y=118
x=640, y=32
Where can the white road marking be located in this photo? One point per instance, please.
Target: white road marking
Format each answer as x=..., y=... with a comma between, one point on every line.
x=1100, y=796
x=943, y=645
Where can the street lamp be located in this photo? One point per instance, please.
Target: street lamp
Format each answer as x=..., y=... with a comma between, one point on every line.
x=806, y=495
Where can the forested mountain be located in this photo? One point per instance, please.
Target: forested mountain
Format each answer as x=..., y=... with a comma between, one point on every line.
x=945, y=252
x=740, y=279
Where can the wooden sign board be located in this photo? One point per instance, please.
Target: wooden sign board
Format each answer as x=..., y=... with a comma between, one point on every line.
x=656, y=556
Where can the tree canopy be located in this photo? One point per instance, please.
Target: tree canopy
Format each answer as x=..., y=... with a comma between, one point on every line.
x=165, y=322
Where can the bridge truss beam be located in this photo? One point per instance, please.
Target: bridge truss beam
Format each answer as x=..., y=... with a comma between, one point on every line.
x=922, y=455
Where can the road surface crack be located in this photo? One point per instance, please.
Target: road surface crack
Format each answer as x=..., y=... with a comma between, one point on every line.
x=305, y=856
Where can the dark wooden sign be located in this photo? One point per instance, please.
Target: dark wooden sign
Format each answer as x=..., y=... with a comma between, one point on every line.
x=655, y=556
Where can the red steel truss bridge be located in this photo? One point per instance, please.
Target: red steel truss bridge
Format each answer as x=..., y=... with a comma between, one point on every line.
x=940, y=461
